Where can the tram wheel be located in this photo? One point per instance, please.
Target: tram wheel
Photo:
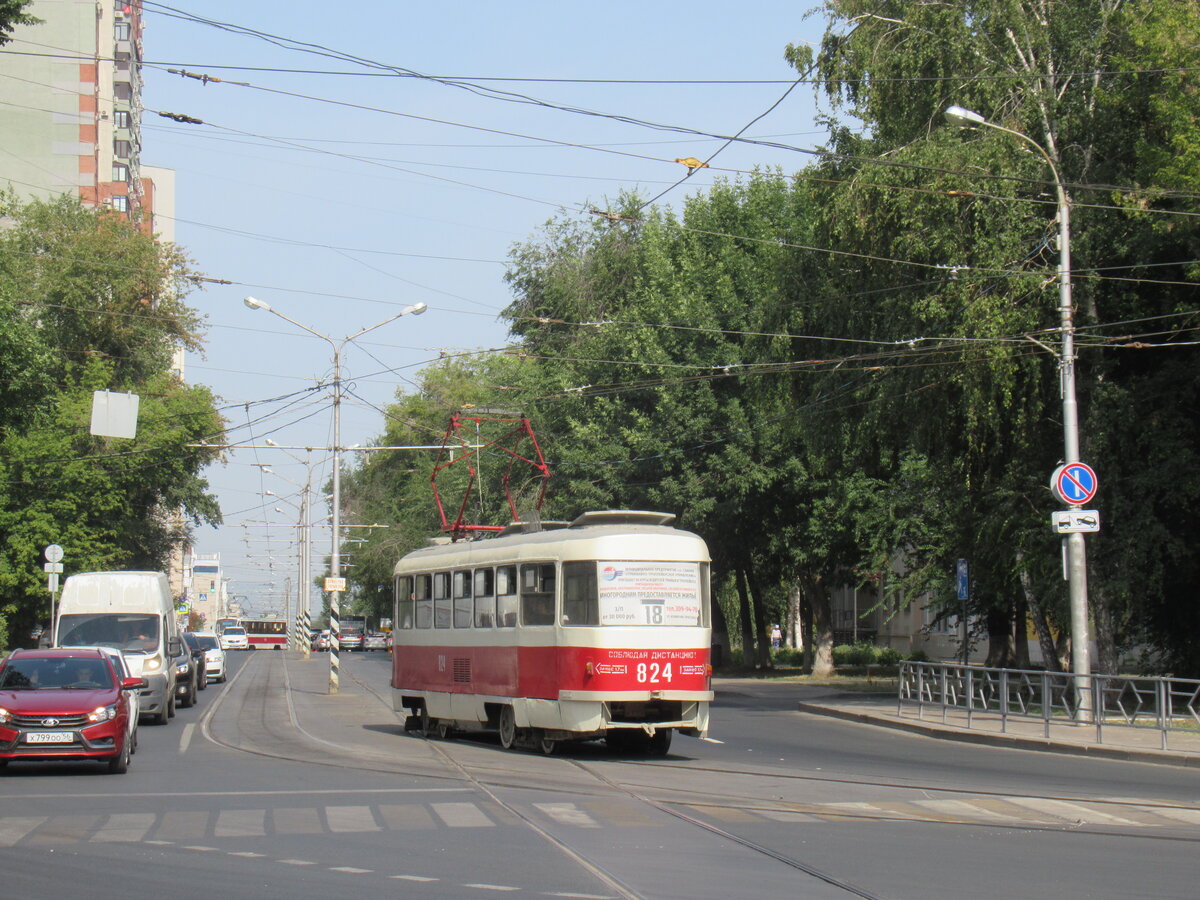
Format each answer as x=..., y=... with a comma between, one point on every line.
x=428, y=723
x=508, y=727
x=660, y=743
x=545, y=744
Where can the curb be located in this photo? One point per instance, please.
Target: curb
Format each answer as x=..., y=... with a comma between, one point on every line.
x=1096, y=751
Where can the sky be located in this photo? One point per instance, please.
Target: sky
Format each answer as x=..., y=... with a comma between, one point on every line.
x=341, y=192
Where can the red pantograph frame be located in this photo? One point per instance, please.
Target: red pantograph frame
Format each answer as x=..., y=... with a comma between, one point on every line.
x=508, y=443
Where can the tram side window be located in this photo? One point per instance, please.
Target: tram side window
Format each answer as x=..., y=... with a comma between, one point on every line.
x=441, y=600
x=462, y=599
x=404, y=601
x=485, y=598
x=537, y=594
x=506, y=597
x=424, y=600
x=581, y=603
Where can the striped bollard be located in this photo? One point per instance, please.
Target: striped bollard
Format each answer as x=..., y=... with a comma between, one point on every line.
x=335, y=642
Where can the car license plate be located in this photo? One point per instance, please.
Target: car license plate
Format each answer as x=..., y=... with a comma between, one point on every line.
x=49, y=737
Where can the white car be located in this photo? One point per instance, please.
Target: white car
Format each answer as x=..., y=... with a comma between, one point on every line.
x=135, y=707
x=214, y=655
x=234, y=638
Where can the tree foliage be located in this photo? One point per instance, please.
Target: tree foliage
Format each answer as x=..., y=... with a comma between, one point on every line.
x=91, y=303
x=12, y=14
x=850, y=375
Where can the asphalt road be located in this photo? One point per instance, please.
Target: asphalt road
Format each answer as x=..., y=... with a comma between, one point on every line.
x=271, y=788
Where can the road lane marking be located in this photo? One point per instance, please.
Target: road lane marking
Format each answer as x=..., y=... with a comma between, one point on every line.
x=462, y=815
x=240, y=823
x=63, y=829
x=179, y=824
x=491, y=887
x=405, y=816
x=1178, y=814
x=15, y=828
x=873, y=809
x=568, y=814
x=186, y=738
x=350, y=819
x=123, y=828
x=297, y=820
x=964, y=809
x=623, y=813
x=780, y=815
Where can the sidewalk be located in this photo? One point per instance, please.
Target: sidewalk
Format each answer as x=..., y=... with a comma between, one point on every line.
x=1119, y=741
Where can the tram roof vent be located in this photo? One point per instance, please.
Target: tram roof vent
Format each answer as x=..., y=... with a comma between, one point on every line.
x=623, y=517
x=531, y=527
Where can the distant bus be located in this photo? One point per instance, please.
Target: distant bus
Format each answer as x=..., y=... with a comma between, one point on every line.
x=265, y=633
x=227, y=620
x=353, y=624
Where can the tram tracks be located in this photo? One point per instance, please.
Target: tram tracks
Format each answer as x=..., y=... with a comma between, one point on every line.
x=683, y=803
x=612, y=881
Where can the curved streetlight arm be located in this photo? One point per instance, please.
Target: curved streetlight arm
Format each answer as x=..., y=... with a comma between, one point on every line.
x=415, y=309
x=254, y=303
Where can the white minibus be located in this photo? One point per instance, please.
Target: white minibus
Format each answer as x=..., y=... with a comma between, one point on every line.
x=133, y=612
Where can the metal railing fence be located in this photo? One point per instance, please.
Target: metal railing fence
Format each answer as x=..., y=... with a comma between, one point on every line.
x=1160, y=704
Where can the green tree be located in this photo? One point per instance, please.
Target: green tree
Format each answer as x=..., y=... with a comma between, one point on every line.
x=1080, y=78
x=94, y=304
x=12, y=14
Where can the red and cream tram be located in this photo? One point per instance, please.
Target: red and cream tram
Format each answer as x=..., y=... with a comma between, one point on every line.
x=594, y=629
x=265, y=633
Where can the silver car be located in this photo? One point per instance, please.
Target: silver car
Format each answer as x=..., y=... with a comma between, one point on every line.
x=375, y=641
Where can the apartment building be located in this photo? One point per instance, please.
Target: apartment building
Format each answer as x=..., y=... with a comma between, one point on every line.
x=71, y=104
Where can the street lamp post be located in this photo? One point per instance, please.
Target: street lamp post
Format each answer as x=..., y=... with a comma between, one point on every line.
x=335, y=563
x=1076, y=549
x=304, y=540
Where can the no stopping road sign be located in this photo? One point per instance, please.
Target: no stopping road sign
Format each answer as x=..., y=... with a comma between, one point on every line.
x=1074, y=483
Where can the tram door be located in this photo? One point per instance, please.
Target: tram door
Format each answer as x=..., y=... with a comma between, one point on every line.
x=539, y=653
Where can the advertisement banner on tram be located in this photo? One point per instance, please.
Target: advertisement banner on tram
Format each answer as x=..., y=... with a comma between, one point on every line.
x=649, y=593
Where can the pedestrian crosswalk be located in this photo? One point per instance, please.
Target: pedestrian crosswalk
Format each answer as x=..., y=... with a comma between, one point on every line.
x=220, y=826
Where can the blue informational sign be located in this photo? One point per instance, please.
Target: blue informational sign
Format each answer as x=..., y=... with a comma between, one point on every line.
x=961, y=575
x=1074, y=483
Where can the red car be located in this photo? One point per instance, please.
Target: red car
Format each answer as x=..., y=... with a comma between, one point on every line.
x=65, y=704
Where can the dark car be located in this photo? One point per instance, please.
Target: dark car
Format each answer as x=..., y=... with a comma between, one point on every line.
x=65, y=704
x=187, y=679
x=199, y=658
